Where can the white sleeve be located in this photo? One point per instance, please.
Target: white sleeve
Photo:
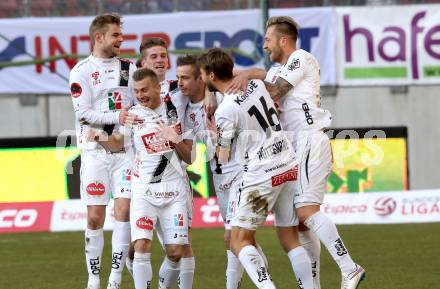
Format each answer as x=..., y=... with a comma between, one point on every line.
x=131, y=95
x=226, y=120
x=188, y=129
x=81, y=92
x=294, y=70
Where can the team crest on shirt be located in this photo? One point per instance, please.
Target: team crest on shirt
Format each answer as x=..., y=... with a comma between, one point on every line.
x=124, y=75
x=192, y=116
x=95, y=78
x=294, y=65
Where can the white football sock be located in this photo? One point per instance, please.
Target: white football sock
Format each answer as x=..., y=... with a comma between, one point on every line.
x=310, y=242
x=186, y=277
x=120, y=241
x=254, y=265
x=234, y=271
x=302, y=267
x=326, y=230
x=168, y=273
x=129, y=265
x=260, y=250
x=142, y=271
x=94, y=243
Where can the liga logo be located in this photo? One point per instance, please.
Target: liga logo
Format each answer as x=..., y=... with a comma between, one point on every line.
x=385, y=206
x=95, y=189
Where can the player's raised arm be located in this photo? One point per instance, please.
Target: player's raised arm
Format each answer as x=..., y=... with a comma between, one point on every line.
x=242, y=77
x=279, y=88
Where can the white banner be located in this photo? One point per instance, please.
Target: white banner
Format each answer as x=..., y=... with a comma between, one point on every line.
x=383, y=208
x=28, y=39
x=71, y=215
x=358, y=208
x=388, y=45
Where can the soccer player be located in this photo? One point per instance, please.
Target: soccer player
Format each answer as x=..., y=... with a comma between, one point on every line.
x=296, y=84
x=154, y=55
x=100, y=87
x=249, y=119
x=226, y=178
x=158, y=187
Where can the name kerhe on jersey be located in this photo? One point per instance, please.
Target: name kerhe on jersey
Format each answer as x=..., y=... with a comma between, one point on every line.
x=154, y=144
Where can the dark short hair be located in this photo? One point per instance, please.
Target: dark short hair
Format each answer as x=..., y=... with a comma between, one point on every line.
x=219, y=62
x=101, y=22
x=143, y=73
x=151, y=42
x=284, y=26
x=191, y=60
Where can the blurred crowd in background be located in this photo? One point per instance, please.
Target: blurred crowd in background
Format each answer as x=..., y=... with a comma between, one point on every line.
x=43, y=8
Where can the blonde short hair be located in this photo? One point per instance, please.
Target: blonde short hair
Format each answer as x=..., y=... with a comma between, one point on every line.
x=284, y=26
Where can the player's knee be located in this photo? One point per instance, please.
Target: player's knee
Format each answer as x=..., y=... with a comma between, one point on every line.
x=142, y=246
x=122, y=212
x=187, y=251
x=174, y=252
x=95, y=221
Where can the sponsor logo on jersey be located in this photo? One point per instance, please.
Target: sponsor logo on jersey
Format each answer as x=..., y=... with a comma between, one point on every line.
x=95, y=78
x=95, y=189
x=290, y=175
x=155, y=144
x=75, y=90
x=294, y=65
x=145, y=223
x=114, y=100
x=307, y=114
x=178, y=220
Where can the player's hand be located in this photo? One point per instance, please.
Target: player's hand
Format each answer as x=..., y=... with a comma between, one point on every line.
x=238, y=83
x=128, y=119
x=95, y=135
x=167, y=132
x=209, y=103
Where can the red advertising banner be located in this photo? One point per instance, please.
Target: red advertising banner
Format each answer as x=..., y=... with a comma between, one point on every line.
x=25, y=217
x=206, y=214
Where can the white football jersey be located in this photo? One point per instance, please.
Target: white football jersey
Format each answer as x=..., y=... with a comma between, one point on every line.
x=179, y=101
x=99, y=89
x=195, y=123
x=301, y=107
x=156, y=160
x=250, y=119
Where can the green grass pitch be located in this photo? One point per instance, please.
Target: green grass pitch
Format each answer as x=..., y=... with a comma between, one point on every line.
x=394, y=256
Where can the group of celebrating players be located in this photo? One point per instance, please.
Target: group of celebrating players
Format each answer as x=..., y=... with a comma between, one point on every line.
x=265, y=141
